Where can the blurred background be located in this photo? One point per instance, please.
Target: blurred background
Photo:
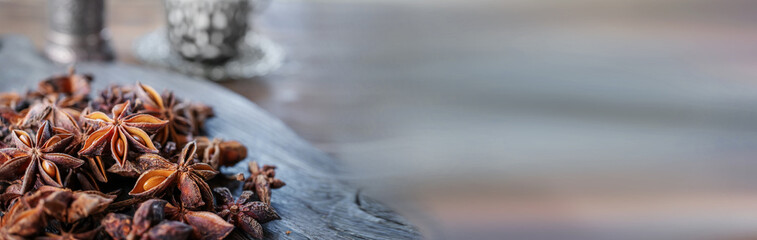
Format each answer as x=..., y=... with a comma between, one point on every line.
x=513, y=119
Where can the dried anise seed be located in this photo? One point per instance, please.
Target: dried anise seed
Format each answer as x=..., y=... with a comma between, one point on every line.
x=38, y=157
x=206, y=225
x=69, y=125
x=69, y=206
x=10, y=100
x=118, y=226
x=178, y=129
x=80, y=178
x=120, y=132
x=169, y=230
x=244, y=212
x=22, y=221
x=198, y=113
x=11, y=191
x=54, y=108
x=72, y=234
x=148, y=223
x=187, y=175
x=112, y=96
x=219, y=153
x=79, y=135
x=262, y=180
x=72, y=84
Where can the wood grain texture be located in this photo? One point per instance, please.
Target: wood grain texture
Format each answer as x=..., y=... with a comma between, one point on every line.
x=315, y=204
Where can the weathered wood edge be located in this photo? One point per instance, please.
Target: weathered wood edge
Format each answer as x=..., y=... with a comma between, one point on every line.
x=315, y=204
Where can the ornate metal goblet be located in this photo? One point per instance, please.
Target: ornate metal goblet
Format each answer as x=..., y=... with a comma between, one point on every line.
x=77, y=31
x=207, y=31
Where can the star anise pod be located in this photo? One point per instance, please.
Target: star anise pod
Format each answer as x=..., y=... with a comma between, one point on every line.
x=148, y=223
x=219, y=153
x=198, y=113
x=69, y=124
x=79, y=136
x=120, y=132
x=206, y=225
x=178, y=129
x=74, y=232
x=69, y=206
x=262, y=180
x=112, y=96
x=54, y=108
x=37, y=157
x=81, y=179
x=74, y=85
x=22, y=221
x=161, y=174
x=10, y=100
x=244, y=212
x=9, y=119
x=12, y=114
x=11, y=191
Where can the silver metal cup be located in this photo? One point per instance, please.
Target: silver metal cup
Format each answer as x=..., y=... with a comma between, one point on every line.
x=206, y=31
x=77, y=31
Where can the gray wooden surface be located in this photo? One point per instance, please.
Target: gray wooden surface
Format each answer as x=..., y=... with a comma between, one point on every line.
x=315, y=204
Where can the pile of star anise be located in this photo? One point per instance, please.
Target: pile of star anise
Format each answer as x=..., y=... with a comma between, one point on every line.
x=129, y=163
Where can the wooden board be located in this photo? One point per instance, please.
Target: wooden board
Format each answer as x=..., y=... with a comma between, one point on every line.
x=315, y=204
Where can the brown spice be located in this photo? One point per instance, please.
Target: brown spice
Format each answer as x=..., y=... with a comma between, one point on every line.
x=219, y=152
x=37, y=159
x=244, y=212
x=168, y=107
x=53, y=182
x=189, y=176
x=148, y=223
x=262, y=180
x=207, y=225
x=120, y=132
